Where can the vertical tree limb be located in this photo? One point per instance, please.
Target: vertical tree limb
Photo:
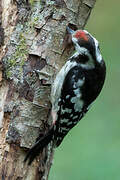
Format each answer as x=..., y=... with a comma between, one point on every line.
x=32, y=52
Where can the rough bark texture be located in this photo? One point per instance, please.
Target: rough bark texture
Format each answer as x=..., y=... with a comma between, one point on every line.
x=32, y=52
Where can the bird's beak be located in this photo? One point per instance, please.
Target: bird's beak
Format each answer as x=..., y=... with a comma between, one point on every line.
x=69, y=30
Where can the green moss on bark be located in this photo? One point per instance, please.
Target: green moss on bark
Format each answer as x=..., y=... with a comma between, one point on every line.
x=17, y=60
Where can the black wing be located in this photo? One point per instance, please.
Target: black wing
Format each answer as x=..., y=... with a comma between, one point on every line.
x=80, y=88
x=71, y=103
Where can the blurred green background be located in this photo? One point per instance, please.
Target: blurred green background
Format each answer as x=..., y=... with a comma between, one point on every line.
x=91, y=151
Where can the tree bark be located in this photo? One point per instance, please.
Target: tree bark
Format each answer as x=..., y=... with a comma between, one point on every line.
x=32, y=52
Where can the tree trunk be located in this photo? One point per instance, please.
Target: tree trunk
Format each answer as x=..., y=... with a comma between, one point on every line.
x=32, y=52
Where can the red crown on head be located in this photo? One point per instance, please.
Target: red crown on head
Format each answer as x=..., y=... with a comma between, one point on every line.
x=81, y=35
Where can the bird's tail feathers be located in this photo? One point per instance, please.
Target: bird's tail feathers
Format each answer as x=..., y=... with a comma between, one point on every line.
x=39, y=145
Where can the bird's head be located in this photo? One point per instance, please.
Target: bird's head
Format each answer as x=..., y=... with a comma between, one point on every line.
x=85, y=43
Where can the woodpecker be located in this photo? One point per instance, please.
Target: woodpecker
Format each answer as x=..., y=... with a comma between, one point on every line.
x=76, y=86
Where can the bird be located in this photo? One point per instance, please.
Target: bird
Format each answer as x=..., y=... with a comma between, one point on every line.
x=75, y=88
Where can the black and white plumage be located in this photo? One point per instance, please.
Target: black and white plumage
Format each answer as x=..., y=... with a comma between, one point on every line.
x=76, y=86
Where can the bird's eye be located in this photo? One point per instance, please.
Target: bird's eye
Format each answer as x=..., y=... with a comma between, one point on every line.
x=99, y=47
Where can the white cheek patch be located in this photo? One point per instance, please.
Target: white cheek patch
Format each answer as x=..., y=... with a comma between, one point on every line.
x=81, y=50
